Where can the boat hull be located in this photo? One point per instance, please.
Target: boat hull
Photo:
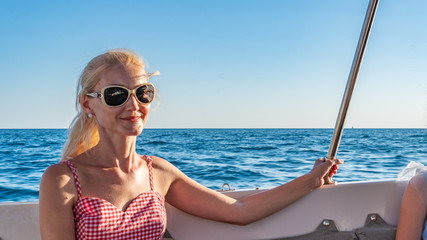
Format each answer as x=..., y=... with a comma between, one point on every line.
x=347, y=204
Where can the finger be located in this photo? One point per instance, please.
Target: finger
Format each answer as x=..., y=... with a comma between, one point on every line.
x=328, y=180
x=335, y=160
x=338, y=161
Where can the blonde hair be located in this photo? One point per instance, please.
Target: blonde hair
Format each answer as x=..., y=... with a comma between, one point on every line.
x=83, y=132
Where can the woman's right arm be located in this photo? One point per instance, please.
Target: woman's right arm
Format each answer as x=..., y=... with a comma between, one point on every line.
x=193, y=198
x=413, y=210
x=57, y=196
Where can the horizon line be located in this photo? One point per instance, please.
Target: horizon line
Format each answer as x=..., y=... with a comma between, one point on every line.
x=202, y=128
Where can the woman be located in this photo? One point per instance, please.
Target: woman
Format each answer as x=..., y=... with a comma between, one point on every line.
x=413, y=211
x=103, y=189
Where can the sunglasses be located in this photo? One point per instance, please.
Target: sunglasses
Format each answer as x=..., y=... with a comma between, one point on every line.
x=116, y=96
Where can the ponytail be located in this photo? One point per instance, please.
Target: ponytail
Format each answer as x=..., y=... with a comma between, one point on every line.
x=82, y=136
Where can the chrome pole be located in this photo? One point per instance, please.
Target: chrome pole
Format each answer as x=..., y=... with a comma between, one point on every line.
x=369, y=18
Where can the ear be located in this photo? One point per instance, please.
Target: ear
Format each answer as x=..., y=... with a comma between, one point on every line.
x=85, y=104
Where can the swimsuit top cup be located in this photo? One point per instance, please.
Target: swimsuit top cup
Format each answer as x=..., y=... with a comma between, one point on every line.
x=96, y=218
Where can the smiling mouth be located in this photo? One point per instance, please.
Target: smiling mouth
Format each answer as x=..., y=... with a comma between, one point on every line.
x=132, y=118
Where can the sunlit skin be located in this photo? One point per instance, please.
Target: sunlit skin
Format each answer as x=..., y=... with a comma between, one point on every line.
x=412, y=216
x=113, y=171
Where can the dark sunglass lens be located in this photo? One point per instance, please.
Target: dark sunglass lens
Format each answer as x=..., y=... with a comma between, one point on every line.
x=145, y=93
x=115, y=96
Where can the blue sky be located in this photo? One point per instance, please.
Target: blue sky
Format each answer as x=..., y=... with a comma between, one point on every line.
x=223, y=64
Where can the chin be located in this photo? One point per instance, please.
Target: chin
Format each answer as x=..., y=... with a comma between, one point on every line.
x=134, y=130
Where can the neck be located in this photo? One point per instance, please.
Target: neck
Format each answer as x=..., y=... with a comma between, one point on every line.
x=116, y=152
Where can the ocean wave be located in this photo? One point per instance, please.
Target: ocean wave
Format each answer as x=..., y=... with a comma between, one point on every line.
x=258, y=148
x=10, y=194
x=157, y=142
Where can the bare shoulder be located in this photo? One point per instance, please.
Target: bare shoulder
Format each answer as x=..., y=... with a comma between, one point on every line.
x=57, y=171
x=58, y=179
x=169, y=174
x=165, y=173
x=166, y=168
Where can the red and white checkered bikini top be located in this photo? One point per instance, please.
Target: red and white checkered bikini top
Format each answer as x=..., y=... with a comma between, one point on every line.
x=96, y=218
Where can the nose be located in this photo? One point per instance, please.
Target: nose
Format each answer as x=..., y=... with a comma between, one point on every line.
x=132, y=104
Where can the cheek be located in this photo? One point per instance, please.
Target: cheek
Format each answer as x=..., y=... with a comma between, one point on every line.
x=145, y=109
x=106, y=116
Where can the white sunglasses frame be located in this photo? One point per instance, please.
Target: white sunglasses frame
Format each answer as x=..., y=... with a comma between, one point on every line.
x=130, y=92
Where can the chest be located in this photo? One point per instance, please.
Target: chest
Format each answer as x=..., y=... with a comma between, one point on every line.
x=115, y=188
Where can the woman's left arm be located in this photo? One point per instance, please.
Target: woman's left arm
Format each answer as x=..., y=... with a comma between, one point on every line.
x=191, y=197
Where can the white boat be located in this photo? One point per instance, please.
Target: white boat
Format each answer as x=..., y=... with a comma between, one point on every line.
x=342, y=210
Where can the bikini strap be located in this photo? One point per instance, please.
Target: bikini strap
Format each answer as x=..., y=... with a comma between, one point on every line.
x=150, y=170
x=76, y=178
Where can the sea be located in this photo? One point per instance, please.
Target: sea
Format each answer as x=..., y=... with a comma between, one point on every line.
x=242, y=158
